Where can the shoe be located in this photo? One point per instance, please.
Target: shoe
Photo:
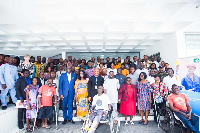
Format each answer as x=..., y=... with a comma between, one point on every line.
x=64, y=122
x=147, y=123
x=4, y=107
x=21, y=127
x=71, y=121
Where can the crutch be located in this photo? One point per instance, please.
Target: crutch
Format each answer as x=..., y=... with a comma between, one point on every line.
x=36, y=116
x=56, y=119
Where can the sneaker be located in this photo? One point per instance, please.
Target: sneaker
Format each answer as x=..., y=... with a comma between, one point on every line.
x=4, y=107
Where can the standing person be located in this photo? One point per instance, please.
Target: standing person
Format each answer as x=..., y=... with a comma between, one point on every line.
x=120, y=77
x=160, y=93
x=146, y=61
x=32, y=59
x=42, y=79
x=1, y=59
x=104, y=74
x=159, y=60
x=171, y=79
x=38, y=67
x=179, y=104
x=31, y=98
x=127, y=99
x=191, y=81
x=111, y=87
x=126, y=64
x=133, y=76
x=150, y=78
x=20, y=85
x=26, y=65
x=144, y=97
x=6, y=58
x=153, y=61
x=47, y=74
x=8, y=78
x=67, y=92
x=161, y=73
x=81, y=94
x=112, y=68
x=118, y=61
x=153, y=67
x=125, y=72
x=142, y=69
x=46, y=92
x=90, y=71
x=93, y=83
x=108, y=62
x=60, y=71
x=135, y=63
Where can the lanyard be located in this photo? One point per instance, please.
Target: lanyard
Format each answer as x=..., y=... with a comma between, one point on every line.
x=96, y=80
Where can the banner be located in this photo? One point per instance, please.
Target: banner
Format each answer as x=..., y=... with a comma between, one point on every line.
x=188, y=70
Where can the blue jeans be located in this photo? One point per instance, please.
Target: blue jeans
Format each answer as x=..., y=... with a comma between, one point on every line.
x=192, y=124
x=4, y=94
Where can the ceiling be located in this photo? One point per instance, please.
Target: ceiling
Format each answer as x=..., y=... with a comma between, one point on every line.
x=50, y=27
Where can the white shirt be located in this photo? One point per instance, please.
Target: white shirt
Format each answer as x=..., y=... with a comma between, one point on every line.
x=111, y=86
x=105, y=77
x=69, y=77
x=58, y=74
x=138, y=71
x=170, y=81
x=151, y=79
x=56, y=85
x=42, y=81
x=101, y=102
x=114, y=70
x=135, y=63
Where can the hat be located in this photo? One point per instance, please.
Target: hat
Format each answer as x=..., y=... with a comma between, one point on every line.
x=161, y=66
x=191, y=65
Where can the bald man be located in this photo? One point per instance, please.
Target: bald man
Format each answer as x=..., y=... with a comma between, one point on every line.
x=66, y=93
x=93, y=84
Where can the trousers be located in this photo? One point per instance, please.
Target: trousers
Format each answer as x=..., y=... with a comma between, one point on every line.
x=4, y=93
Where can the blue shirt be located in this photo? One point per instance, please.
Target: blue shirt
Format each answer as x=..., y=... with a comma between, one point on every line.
x=121, y=78
x=189, y=84
x=28, y=81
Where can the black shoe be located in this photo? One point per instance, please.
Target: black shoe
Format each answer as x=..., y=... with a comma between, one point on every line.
x=4, y=107
x=64, y=122
x=71, y=121
x=21, y=127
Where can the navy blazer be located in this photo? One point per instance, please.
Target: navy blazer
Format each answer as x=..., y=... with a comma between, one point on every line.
x=65, y=86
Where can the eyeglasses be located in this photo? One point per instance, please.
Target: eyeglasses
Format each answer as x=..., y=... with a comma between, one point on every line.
x=128, y=80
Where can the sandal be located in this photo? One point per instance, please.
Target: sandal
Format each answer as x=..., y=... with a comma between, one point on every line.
x=146, y=123
x=46, y=126
x=126, y=123
x=29, y=130
x=36, y=127
x=132, y=123
x=141, y=121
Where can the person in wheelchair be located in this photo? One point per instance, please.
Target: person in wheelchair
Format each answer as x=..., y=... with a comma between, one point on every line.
x=100, y=107
x=180, y=106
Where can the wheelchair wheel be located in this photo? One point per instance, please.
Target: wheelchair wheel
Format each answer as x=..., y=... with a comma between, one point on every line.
x=166, y=119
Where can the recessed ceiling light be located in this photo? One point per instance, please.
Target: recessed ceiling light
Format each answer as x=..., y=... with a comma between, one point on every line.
x=8, y=49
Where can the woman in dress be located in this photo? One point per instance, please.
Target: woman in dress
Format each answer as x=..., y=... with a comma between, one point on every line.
x=47, y=74
x=160, y=93
x=81, y=94
x=31, y=98
x=26, y=65
x=144, y=97
x=127, y=99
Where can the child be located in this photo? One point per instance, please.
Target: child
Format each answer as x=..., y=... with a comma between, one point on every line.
x=45, y=102
x=101, y=103
x=31, y=98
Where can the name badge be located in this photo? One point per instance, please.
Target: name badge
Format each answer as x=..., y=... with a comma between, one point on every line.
x=95, y=86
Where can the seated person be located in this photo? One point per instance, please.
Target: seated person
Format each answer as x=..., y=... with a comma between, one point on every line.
x=179, y=105
x=100, y=105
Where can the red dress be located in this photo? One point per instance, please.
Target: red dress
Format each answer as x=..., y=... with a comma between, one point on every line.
x=128, y=107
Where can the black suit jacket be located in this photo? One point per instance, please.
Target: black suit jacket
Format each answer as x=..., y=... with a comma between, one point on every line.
x=20, y=86
x=91, y=86
x=136, y=66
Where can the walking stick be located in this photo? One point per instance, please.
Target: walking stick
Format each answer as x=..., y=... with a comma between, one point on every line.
x=36, y=116
x=56, y=119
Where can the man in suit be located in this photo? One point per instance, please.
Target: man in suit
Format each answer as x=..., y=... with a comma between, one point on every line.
x=135, y=63
x=93, y=84
x=20, y=85
x=66, y=93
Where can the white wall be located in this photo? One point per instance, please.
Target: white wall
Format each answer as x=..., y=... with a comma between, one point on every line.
x=167, y=48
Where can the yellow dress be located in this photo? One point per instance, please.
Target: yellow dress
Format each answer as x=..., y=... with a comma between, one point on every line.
x=38, y=69
x=81, y=89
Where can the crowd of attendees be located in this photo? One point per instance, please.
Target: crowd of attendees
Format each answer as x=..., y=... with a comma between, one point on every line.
x=65, y=83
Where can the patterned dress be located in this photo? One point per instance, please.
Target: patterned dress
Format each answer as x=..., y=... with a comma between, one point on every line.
x=81, y=88
x=33, y=92
x=22, y=66
x=89, y=72
x=144, y=89
x=37, y=69
x=158, y=91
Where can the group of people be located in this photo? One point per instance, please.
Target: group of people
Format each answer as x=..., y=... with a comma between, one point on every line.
x=127, y=87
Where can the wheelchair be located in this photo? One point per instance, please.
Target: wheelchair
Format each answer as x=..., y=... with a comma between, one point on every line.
x=109, y=119
x=167, y=120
